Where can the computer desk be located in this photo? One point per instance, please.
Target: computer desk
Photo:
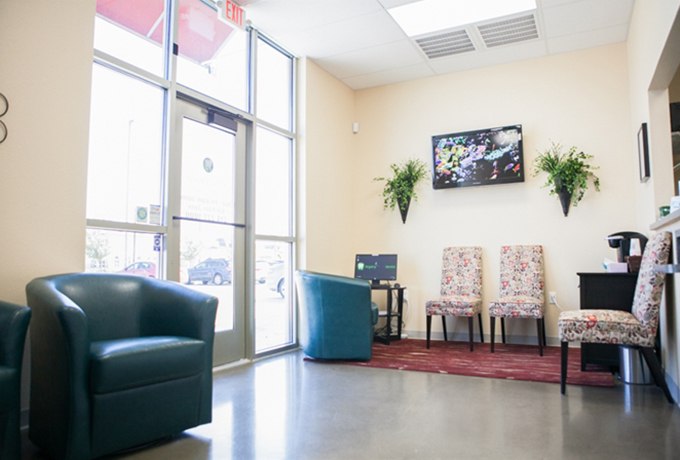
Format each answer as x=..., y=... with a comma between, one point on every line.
x=389, y=313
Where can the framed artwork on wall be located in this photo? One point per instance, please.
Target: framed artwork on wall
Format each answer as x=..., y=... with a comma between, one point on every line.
x=643, y=153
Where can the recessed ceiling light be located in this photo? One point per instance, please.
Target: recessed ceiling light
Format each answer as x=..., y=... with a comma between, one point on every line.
x=427, y=16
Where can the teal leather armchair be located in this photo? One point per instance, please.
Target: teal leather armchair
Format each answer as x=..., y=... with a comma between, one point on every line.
x=117, y=361
x=336, y=316
x=14, y=321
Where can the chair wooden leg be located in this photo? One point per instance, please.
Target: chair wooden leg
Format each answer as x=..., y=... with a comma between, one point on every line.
x=563, y=367
x=444, y=327
x=545, y=342
x=492, y=325
x=539, y=335
x=470, y=324
x=503, y=329
x=428, y=329
x=481, y=329
x=657, y=371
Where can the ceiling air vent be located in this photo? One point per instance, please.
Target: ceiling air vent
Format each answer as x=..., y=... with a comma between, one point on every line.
x=513, y=30
x=445, y=44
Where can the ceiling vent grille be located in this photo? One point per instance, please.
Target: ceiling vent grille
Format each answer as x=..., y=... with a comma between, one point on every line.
x=446, y=44
x=508, y=31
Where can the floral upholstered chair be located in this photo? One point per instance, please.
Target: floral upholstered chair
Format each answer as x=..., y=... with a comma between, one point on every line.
x=637, y=328
x=521, y=290
x=461, y=289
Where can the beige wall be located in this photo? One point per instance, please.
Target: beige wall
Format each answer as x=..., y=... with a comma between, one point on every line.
x=326, y=171
x=576, y=99
x=650, y=26
x=45, y=74
x=653, y=60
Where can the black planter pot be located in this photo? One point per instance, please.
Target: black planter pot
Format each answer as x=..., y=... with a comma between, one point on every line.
x=403, y=209
x=565, y=200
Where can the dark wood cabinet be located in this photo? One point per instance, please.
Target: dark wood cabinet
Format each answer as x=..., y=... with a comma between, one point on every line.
x=610, y=291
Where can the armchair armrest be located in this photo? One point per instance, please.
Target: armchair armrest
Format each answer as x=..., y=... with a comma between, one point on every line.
x=13, y=324
x=59, y=359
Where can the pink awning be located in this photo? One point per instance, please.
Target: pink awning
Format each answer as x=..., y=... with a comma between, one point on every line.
x=201, y=33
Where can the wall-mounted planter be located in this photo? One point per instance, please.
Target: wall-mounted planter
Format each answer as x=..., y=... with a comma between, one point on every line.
x=569, y=174
x=400, y=188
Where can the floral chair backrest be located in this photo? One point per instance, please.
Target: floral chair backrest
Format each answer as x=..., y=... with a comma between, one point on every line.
x=522, y=271
x=462, y=271
x=649, y=287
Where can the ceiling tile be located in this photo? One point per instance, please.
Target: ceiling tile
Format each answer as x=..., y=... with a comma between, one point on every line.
x=488, y=57
x=389, y=76
x=394, y=3
x=589, y=39
x=280, y=16
x=348, y=35
x=371, y=60
x=551, y=3
x=585, y=15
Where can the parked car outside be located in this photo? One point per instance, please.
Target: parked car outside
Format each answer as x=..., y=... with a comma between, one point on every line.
x=142, y=269
x=276, y=277
x=216, y=271
x=261, y=271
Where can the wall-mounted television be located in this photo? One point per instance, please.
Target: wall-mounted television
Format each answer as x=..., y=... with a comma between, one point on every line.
x=375, y=267
x=480, y=157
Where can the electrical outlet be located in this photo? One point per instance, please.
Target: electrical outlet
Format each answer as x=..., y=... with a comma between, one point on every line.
x=553, y=297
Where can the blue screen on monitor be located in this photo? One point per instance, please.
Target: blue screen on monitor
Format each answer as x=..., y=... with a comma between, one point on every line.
x=376, y=267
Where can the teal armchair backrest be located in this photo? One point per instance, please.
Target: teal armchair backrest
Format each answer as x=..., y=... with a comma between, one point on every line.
x=336, y=316
x=116, y=306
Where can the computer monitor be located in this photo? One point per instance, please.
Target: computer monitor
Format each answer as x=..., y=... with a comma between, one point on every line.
x=375, y=267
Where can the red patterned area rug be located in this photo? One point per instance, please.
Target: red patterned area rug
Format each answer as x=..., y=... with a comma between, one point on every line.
x=514, y=362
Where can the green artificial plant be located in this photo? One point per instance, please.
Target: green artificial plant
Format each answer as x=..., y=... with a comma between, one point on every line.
x=569, y=173
x=400, y=188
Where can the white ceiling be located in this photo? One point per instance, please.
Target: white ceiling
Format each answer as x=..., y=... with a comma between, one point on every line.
x=359, y=43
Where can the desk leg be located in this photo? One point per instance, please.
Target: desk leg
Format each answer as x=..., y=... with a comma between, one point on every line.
x=400, y=309
x=388, y=329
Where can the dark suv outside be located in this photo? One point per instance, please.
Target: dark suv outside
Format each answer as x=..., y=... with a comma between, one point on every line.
x=217, y=271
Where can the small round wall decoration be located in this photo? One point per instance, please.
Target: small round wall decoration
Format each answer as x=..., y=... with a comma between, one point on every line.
x=4, y=107
x=208, y=165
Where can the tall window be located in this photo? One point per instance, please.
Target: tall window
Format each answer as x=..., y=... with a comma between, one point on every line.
x=137, y=77
x=274, y=230
x=274, y=236
x=274, y=85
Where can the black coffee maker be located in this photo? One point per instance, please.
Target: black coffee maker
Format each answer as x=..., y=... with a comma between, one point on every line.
x=621, y=242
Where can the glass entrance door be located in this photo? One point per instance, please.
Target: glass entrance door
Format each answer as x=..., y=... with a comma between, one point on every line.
x=206, y=227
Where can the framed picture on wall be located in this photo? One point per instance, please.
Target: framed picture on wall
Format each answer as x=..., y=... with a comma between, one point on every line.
x=643, y=153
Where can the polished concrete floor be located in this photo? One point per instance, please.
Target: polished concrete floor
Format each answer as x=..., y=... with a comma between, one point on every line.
x=286, y=408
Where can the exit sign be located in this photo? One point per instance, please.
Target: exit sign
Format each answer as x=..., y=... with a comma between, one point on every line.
x=232, y=13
